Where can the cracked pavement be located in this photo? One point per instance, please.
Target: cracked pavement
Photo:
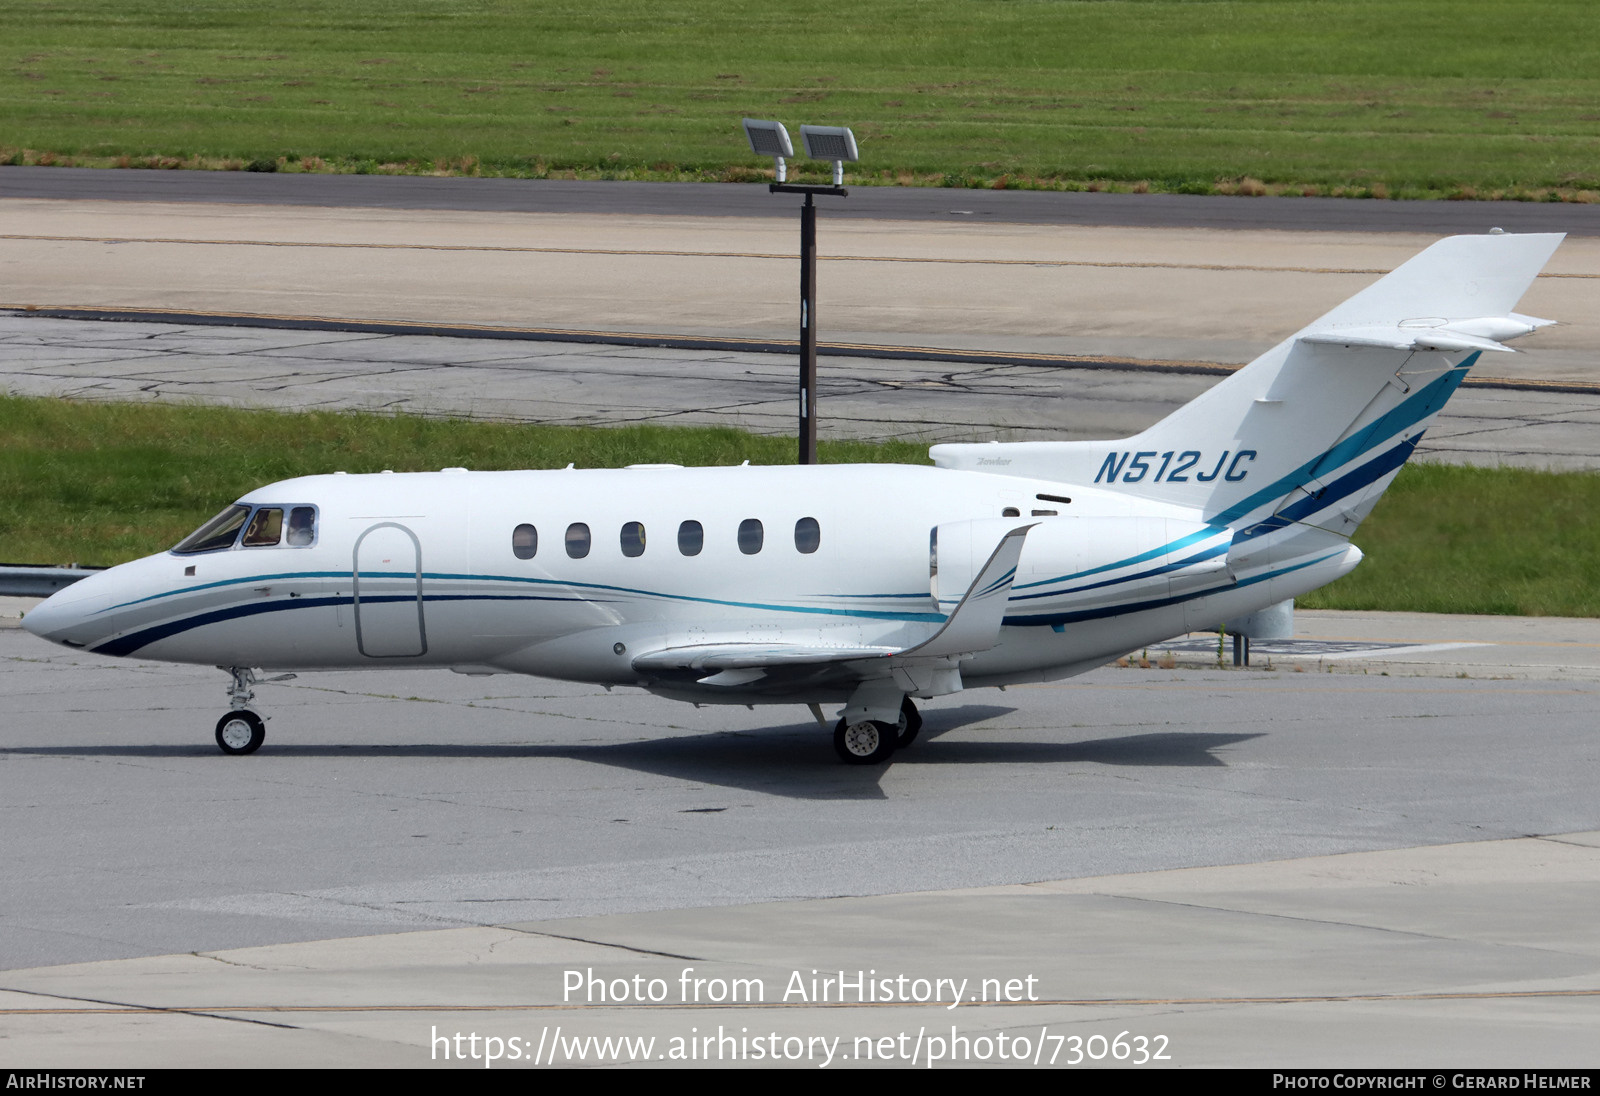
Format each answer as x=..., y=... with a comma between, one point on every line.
x=586, y=384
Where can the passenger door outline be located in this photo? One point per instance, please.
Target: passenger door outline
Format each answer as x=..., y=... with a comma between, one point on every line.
x=388, y=631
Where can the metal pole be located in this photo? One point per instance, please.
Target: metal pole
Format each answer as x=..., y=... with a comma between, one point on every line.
x=808, y=332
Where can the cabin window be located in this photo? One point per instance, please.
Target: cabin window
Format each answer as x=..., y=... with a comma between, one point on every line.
x=633, y=539
x=265, y=529
x=218, y=533
x=691, y=538
x=750, y=536
x=577, y=540
x=302, y=527
x=524, y=541
x=1011, y=512
x=807, y=535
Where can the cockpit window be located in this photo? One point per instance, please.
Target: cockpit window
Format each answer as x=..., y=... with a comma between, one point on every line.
x=302, y=526
x=220, y=532
x=265, y=529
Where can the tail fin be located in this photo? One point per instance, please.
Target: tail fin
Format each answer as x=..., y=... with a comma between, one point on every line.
x=1315, y=429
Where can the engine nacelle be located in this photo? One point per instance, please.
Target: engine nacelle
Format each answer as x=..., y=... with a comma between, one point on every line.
x=1072, y=563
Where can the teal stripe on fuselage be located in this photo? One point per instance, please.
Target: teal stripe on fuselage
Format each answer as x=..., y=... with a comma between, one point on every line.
x=1078, y=616
x=1398, y=420
x=233, y=582
x=1198, y=557
x=866, y=614
x=441, y=576
x=1142, y=557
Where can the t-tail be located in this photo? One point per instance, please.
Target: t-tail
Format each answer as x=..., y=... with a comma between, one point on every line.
x=1314, y=430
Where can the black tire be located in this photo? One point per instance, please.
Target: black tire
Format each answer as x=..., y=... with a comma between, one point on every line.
x=240, y=732
x=864, y=743
x=910, y=724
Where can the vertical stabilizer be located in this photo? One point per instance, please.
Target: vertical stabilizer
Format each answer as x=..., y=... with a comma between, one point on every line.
x=1314, y=430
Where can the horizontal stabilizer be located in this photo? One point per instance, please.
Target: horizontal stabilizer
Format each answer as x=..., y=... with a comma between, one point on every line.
x=1404, y=338
x=1429, y=333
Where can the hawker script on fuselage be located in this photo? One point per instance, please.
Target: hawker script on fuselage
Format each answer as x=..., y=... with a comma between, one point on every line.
x=858, y=586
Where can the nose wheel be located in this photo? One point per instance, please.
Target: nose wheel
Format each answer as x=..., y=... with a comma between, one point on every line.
x=241, y=732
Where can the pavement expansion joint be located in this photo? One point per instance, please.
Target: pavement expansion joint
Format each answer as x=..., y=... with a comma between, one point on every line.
x=528, y=931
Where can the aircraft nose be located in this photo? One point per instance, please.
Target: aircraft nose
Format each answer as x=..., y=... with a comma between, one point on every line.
x=53, y=616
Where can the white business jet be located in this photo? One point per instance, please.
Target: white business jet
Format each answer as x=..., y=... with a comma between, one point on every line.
x=860, y=586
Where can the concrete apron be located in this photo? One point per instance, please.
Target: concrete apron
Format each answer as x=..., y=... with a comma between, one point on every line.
x=1472, y=955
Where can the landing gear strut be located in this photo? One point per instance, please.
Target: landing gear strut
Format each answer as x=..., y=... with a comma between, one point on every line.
x=241, y=731
x=870, y=742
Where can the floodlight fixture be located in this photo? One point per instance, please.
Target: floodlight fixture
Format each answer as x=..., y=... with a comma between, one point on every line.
x=834, y=143
x=770, y=139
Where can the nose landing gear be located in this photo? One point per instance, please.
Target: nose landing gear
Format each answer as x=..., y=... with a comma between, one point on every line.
x=242, y=731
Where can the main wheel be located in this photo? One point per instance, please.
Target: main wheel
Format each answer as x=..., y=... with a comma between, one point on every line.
x=910, y=724
x=241, y=732
x=864, y=743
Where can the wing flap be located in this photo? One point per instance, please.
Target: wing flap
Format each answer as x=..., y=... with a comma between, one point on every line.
x=713, y=658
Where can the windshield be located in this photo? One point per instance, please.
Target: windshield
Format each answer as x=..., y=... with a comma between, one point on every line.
x=219, y=532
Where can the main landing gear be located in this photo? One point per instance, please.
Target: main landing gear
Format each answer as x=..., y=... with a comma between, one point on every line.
x=870, y=742
x=242, y=731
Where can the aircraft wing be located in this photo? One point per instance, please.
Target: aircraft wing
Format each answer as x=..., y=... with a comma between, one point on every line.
x=973, y=626
x=712, y=657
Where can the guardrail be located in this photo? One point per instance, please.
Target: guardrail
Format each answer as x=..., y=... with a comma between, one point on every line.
x=26, y=580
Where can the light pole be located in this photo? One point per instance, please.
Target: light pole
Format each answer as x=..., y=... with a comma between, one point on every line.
x=834, y=143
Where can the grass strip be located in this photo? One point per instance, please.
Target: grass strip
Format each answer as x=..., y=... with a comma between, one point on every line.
x=1450, y=538
x=1364, y=98
x=99, y=483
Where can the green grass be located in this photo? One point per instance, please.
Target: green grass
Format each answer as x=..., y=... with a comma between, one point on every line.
x=1452, y=539
x=101, y=483
x=1359, y=97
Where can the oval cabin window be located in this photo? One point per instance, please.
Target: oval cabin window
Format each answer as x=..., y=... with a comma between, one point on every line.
x=633, y=539
x=577, y=540
x=525, y=542
x=807, y=535
x=750, y=536
x=691, y=538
